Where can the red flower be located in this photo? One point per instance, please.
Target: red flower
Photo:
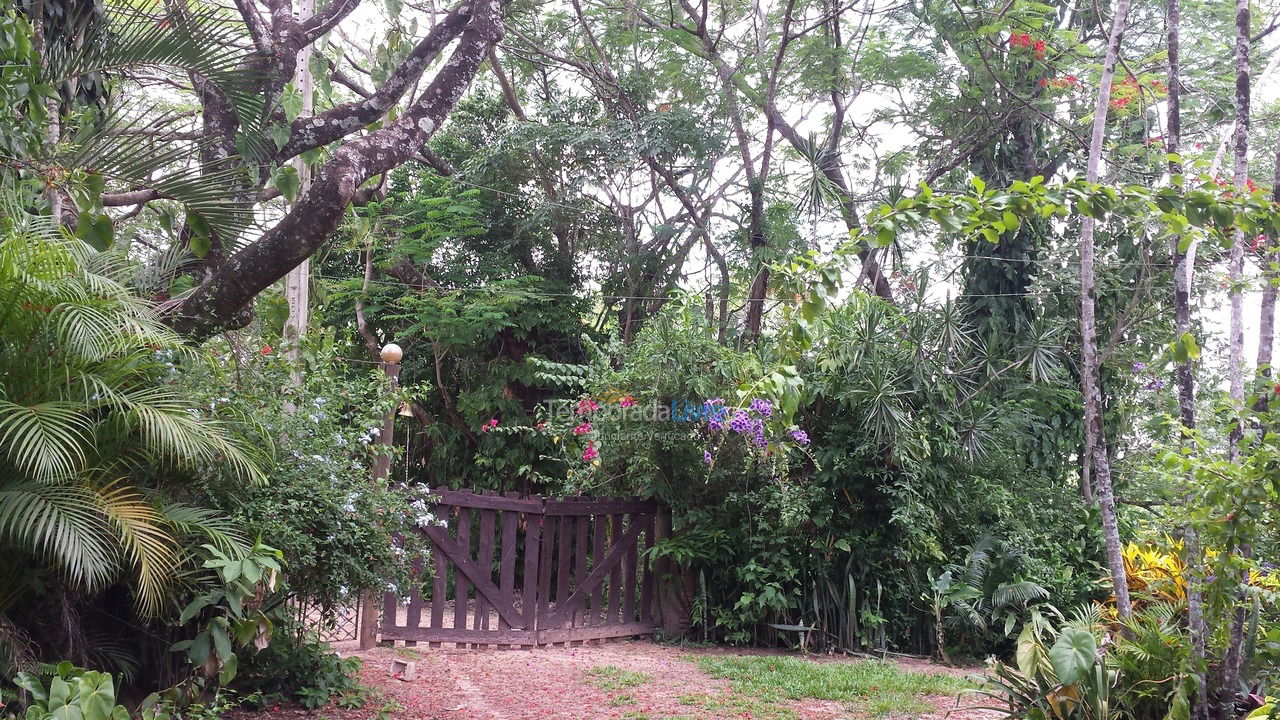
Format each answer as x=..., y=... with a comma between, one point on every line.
x=1039, y=48
x=1017, y=39
x=266, y=350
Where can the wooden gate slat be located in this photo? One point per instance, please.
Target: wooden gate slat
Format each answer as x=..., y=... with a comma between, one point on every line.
x=646, y=587
x=614, y=608
x=439, y=585
x=461, y=588
x=600, y=525
x=564, y=556
x=507, y=561
x=532, y=550
x=550, y=528
x=629, y=571
x=484, y=563
x=581, y=555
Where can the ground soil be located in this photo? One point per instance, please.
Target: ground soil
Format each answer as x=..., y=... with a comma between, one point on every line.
x=555, y=682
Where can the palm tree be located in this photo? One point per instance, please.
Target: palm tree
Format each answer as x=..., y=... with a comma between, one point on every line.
x=86, y=407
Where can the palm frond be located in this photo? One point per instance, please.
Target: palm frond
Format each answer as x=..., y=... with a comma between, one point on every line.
x=1017, y=594
x=212, y=525
x=44, y=440
x=144, y=540
x=62, y=524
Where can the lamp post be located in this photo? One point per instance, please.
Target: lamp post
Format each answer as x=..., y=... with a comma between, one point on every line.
x=391, y=357
x=391, y=354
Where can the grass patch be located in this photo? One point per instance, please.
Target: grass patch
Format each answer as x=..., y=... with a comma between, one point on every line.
x=868, y=686
x=610, y=678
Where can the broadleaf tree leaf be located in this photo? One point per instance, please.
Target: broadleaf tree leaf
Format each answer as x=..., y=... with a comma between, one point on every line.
x=1072, y=655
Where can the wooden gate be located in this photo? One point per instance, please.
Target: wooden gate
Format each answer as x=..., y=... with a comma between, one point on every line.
x=526, y=571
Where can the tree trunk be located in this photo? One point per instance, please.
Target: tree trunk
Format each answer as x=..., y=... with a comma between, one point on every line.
x=1229, y=674
x=297, y=284
x=1183, y=269
x=1095, y=440
x=1235, y=267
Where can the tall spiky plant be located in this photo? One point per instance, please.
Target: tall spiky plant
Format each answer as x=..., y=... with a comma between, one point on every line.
x=86, y=407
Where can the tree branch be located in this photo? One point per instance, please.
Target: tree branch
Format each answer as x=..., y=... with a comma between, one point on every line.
x=225, y=294
x=337, y=123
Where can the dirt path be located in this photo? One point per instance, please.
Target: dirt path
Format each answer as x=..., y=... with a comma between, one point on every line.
x=622, y=680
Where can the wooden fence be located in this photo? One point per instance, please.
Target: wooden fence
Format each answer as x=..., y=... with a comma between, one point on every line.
x=511, y=570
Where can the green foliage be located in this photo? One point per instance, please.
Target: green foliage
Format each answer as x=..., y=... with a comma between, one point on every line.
x=298, y=668
x=231, y=612
x=87, y=410
x=321, y=508
x=71, y=692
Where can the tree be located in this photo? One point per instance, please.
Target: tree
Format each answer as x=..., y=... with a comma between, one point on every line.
x=251, y=126
x=1183, y=272
x=1095, y=439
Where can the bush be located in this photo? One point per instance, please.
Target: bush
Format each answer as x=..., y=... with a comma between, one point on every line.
x=335, y=526
x=298, y=668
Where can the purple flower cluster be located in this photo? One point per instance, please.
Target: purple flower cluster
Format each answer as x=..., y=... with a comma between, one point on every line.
x=706, y=456
x=1156, y=384
x=749, y=421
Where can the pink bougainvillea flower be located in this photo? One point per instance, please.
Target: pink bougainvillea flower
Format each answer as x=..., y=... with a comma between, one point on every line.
x=627, y=401
x=587, y=405
x=266, y=350
x=582, y=429
x=541, y=426
x=590, y=453
x=493, y=423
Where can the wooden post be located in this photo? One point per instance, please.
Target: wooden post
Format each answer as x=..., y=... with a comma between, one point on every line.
x=381, y=470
